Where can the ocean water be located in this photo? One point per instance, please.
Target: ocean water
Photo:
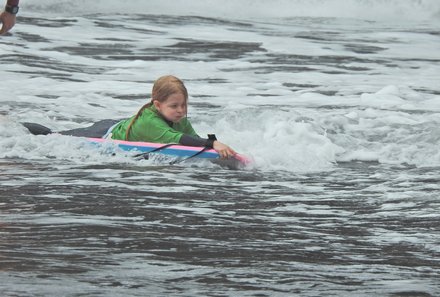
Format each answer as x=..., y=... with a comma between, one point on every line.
x=337, y=102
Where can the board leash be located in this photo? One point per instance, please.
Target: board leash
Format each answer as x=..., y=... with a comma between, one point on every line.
x=146, y=155
x=190, y=157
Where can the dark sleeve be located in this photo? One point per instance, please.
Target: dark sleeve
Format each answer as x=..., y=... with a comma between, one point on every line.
x=12, y=2
x=196, y=141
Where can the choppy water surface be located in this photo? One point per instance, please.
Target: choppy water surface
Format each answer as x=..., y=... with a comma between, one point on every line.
x=341, y=116
x=111, y=230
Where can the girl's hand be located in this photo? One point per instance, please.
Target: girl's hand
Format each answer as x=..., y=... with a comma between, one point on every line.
x=223, y=150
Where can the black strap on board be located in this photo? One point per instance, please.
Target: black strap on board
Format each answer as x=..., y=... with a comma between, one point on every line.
x=190, y=157
x=146, y=155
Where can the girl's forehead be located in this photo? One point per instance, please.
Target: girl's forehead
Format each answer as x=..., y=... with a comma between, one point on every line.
x=176, y=97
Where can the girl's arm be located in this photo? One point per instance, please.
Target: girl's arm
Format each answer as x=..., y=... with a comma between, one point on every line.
x=221, y=148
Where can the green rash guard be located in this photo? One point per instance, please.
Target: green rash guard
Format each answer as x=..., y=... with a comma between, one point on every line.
x=150, y=126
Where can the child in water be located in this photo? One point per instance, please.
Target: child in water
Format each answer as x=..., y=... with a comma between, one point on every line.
x=162, y=120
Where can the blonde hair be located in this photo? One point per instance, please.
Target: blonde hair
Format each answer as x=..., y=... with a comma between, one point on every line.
x=163, y=88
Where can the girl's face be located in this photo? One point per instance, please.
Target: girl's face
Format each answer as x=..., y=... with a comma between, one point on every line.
x=173, y=108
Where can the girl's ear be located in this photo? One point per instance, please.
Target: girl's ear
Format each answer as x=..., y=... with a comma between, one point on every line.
x=156, y=104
